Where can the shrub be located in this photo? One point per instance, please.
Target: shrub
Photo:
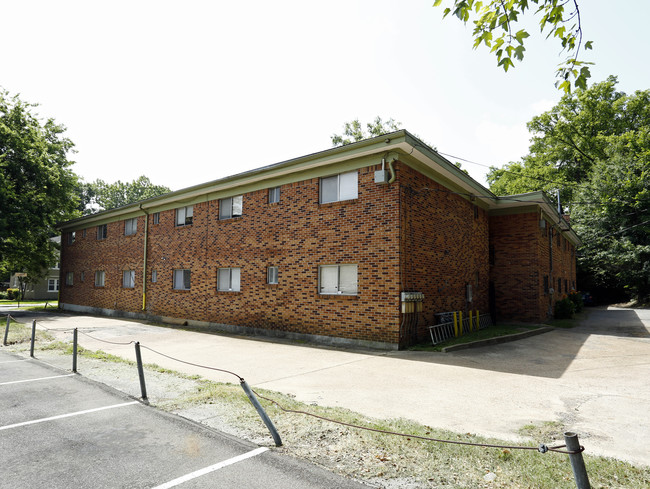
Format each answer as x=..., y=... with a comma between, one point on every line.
x=564, y=309
x=576, y=298
x=13, y=294
x=3, y=295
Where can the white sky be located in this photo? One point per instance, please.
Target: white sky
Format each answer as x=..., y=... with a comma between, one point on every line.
x=188, y=92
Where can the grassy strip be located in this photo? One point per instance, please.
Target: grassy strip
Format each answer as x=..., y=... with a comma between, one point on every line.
x=376, y=457
x=483, y=334
x=21, y=333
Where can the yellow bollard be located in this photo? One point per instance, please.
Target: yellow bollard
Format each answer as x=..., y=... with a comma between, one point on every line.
x=455, y=325
x=460, y=321
x=478, y=323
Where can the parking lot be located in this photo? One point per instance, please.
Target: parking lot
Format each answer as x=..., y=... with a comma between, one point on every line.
x=60, y=430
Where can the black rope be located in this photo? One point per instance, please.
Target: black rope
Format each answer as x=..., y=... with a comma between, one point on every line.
x=106, y=341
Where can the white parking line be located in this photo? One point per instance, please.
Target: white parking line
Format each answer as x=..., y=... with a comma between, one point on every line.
x=34, y=380
x=60, y=416
x=13, y=361
x=211, y=468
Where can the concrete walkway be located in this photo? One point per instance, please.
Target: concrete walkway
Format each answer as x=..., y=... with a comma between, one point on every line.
x=592, y=378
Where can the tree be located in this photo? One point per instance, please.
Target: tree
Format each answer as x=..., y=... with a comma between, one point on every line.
x=494, y=26
x=594, y=145
x=353, y=131
x=37, y=187
x=99, y=195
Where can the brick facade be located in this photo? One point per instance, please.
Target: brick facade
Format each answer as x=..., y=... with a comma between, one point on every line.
x=415, y=234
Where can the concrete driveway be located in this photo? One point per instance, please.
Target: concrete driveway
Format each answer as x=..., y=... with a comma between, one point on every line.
x=594, y=378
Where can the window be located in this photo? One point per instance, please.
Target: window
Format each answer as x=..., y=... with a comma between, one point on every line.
x=184, y=215
x=102, y=231
x=84, y=233
x=156, y=217
x=53, y=285
x=559, y=285
x=71, y=237
x=230, y=207
x=272, y=275
x=154, y=276
x=338, y=187
x=83, y=276
x=100, y=278
x=546, y=291
x=182, y=279
x=130, y=226
x=69, y=278
x=128, y=279
x=337, y=279
x=229, y=279
x=274, y=195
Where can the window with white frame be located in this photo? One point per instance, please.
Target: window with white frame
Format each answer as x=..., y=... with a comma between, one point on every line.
x=102, y=231
x=128, y=279
x=69, y=278
x=272, y=275
x=229, y=279
x=156, y=217
x=154, y=276
x=100, y=278
x=337, y=279
x=274, y=195
x=184, y=215
x=130, y=226
x=339, y=187
x=53, y=285
x=231, y=207
x=182, y=279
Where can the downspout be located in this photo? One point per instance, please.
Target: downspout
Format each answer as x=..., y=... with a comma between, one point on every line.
x=144, y=265
x=392, y=172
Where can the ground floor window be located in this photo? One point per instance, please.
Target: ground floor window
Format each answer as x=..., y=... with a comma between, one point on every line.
x=53, y=285
x=182, y=279
x=337, y=279
x=229, y=279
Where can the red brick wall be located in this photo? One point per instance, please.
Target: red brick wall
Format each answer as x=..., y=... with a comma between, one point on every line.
x=445, y=248
x=521, y=263
x=297, y=234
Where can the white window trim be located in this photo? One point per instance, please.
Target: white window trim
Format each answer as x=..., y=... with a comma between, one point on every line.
x=221, y=287
x=339, y=195
x=100, y=278
x=272, y=275
x=229, y=206
x=337, y=289
x=128, y=279
x=130, y=226
x=53, y=285
x=274, y=195
x=184, y=214
x=186, y=273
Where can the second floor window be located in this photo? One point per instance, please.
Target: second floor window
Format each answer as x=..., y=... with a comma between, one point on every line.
x=230, y=207
x=128, y=279
x=272, y=275
x=100, y=278
x=184, y=215
x=71, y=237
x=274, y=195
x=339, y=187
x=102, y=231
x=130, y=226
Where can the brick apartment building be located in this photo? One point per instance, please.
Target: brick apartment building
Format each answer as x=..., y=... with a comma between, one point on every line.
x=323, y=247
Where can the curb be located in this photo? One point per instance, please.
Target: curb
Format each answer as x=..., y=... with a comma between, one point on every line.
x=498, y=339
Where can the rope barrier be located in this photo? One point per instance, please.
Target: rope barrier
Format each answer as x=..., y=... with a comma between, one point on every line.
x=106, y=341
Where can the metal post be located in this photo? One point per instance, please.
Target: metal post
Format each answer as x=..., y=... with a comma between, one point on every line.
x=267, y=421
x=31, y=348
x=4, y=342
x=138, y=357
x=577, y=462
x=74, y=351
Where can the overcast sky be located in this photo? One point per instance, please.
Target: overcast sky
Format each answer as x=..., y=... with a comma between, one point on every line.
x=188, y=92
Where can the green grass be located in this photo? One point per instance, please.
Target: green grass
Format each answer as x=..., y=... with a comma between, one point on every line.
x=483, y=334
x=21, y=333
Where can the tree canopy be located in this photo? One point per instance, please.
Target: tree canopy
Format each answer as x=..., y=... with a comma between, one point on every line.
x=594, y=146
x=99, y=195
x=353, y=131
x=37, y=187
x=495, y=23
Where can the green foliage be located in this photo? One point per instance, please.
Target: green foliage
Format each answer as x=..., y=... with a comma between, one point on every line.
x=353, y=131
x=494, y=26
x=564, y=309
x=37, y=187
x=13, y=294
x=99, y=195
x=576, y=298
x=594, y=145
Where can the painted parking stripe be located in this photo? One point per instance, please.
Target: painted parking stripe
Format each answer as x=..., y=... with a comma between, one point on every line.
x=61, y=416
x=13, y=361
x=35, y=380
x=211, y=468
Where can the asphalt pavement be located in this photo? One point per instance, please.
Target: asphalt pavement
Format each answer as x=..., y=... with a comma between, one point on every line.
x=60, y=430
x=592, y=378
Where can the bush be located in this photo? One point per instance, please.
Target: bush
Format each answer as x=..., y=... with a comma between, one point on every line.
x=576, y=298
x=564, y=308
x=3, y=296
x=13, y=294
